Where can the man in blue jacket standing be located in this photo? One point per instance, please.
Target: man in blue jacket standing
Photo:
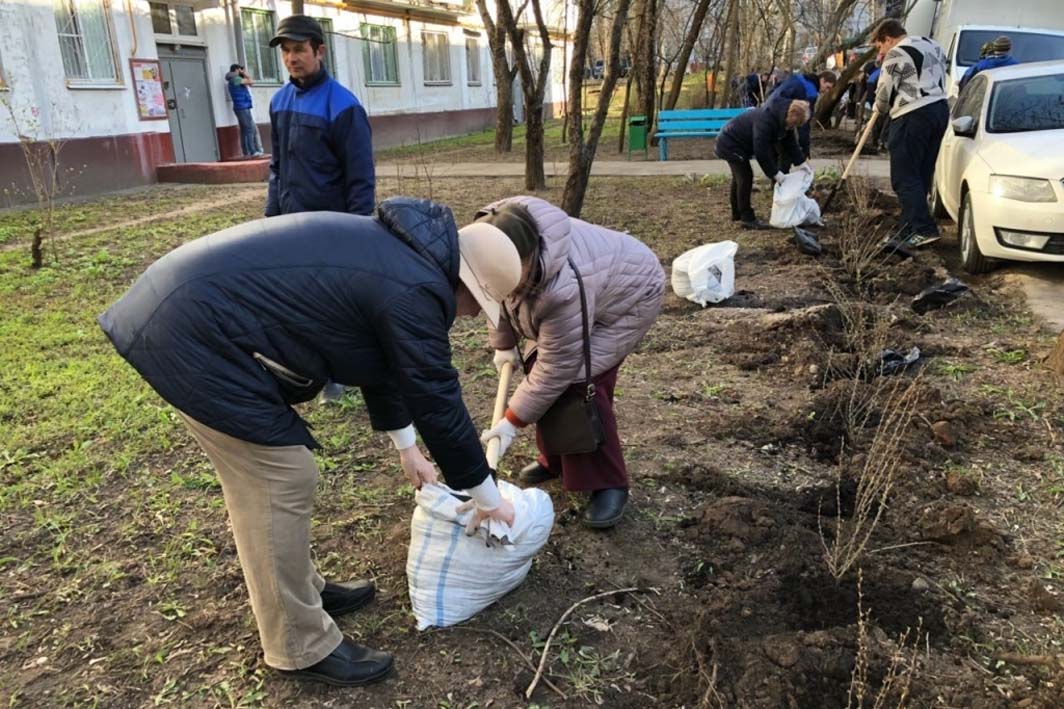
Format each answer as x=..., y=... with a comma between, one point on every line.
x=322, y=145
x=234, y=328
x=808, y=88
x=997, y=56
x=237, y=82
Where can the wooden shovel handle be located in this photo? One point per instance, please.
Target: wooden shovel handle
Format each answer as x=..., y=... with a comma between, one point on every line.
x=506, y=373
x=860, y=144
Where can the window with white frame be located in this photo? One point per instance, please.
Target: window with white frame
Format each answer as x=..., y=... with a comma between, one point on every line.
x=86, y=40
x=259, y=57
x=379, y=55
x=436, y=51
x=330, y=45
x=472, y=58
x=175, y=21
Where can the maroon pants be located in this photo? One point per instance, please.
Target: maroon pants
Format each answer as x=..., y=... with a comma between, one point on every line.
x=603, y=469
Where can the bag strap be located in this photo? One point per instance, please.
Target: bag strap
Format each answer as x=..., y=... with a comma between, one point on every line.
x=587, y=335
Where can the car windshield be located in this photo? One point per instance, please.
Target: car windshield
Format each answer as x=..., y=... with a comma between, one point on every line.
x=1026, y=46
x=1028, y=104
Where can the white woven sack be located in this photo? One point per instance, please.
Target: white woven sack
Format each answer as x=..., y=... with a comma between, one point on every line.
x=452, y=577
x=705, y=274
x=790, y=205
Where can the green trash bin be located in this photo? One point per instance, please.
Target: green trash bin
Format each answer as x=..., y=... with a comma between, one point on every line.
x=637, y=135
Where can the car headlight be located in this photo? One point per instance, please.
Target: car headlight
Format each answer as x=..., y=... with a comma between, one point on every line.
x=1022, y=189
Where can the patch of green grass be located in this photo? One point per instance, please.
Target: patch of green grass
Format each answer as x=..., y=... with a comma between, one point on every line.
x=1015, y=356
x=954, y=370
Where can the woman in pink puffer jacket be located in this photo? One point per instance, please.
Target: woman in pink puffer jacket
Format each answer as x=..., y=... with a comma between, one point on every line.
x=624, y=286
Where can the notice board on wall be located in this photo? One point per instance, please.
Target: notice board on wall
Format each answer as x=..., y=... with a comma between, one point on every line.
x=148, y=89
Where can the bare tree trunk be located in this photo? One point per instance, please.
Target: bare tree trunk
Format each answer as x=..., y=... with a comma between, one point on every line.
x=581, y=152
x=533, y=85
x=504, y=94
x=826, y=105
x=645, y=64
x=686, y=48
x=838, y=16
x=731, y=36
x=624, y=111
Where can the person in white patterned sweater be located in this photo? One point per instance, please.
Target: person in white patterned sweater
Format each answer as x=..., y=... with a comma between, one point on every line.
x=912, y=91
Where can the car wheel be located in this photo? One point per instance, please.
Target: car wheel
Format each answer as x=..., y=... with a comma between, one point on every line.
x=972, y=258
x=934, y=202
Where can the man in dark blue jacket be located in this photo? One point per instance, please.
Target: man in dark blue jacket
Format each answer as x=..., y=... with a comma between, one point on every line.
x=322, y=146
x=997, y=55
x=761, y=133
x=233, y=328
x=804, y=87
x=237, y=82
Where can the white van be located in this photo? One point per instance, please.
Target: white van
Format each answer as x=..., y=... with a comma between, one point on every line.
x=962, y=27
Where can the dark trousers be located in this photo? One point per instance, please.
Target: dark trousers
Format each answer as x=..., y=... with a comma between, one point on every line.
x=248, y=143
x=603, y=469
x=914, y=141
x=742, y=184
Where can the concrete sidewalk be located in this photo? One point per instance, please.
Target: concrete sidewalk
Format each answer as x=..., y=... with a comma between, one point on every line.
x=872, y=167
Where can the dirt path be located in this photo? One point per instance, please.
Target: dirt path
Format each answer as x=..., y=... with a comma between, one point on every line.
x=1043, y=284
x=872, y=167
x=234, y=194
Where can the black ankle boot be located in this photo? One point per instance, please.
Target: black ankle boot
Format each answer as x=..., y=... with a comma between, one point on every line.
x=338, y=599
x=535, y=474
x=606, y=507
x=349, y=665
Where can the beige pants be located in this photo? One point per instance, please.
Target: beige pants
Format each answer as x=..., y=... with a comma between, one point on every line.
x=269, y=493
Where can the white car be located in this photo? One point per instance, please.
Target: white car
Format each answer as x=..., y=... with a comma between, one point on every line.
x=999, y=171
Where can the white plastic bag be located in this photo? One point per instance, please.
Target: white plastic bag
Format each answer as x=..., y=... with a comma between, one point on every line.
x=705, y=274
x=452, y=577
x=790, y=205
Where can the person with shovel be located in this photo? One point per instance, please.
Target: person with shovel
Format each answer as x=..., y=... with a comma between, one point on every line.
x=912, y=91
x=236, y=327
x=761, y=133
x=587, y=297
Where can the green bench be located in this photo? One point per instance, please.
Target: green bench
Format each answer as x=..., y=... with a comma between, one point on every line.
x=693, y=123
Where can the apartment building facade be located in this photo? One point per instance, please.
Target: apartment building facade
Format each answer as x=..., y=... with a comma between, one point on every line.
x=126, y=85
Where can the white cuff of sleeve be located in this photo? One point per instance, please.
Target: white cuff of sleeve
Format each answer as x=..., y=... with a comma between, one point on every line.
x=486, y=494
x=403, y=438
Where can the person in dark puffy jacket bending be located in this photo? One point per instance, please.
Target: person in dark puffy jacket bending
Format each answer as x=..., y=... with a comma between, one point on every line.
x=624, y=286
x=761, y=133
x=234, y=328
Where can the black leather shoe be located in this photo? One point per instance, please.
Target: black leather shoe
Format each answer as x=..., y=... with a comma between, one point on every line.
x=338, y=599
x=756, y=224
x=349, y=665
x=535, y=474
x=606, y=507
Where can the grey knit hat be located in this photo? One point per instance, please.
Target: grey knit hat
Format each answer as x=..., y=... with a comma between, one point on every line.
x=1002, y=45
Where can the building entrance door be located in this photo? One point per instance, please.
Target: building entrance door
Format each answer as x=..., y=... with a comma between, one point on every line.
x=188, y=101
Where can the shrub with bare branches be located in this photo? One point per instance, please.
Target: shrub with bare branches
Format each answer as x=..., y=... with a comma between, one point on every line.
x=41, y=156
x=876, y=478
x=901, y=665
x=860, y=239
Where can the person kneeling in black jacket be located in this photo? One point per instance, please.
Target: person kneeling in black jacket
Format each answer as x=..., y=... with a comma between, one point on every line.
x=234, y=328
x=760, y=133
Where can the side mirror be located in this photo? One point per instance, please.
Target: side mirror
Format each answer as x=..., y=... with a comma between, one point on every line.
x=964, y=126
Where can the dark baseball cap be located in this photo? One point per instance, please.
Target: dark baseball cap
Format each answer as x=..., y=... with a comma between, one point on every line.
x=298, y=28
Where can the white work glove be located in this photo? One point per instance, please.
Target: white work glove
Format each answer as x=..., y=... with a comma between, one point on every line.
x=504, y=431
x=779, y=178
x=503, y=356
x=503, y=513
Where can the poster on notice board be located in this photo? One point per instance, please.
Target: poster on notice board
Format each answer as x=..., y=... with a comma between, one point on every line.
x=148, y=87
